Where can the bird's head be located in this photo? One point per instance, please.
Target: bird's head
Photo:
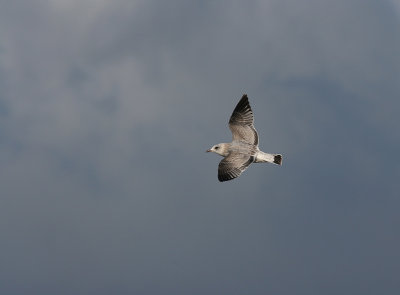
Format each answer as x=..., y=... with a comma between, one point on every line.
x=220, y=149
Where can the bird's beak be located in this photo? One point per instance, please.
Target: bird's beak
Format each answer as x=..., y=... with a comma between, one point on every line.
x=207, y=151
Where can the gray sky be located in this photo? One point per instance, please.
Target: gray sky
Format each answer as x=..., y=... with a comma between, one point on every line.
x=107, y=108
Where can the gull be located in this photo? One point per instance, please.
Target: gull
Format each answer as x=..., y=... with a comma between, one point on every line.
x=243, y=150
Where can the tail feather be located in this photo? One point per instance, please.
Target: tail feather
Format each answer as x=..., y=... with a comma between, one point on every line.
x=270, y=158
x=278, y=159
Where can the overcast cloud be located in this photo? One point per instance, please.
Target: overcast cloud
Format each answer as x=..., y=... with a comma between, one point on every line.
x=107, y=108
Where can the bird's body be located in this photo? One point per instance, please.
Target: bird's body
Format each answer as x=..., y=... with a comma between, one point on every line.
x=243, y=150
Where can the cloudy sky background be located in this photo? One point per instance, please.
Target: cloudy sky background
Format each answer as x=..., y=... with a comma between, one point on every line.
x=107, y=107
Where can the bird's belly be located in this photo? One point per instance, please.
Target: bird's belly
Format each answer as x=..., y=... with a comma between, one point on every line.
x=244, y=148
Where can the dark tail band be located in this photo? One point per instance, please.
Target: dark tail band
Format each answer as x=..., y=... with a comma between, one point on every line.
x=278, y=159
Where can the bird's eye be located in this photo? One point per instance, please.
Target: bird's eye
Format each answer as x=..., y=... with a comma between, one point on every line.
x=217, y=147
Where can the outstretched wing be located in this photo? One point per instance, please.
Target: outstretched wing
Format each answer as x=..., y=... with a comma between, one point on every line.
x=233, y=165
x=241, y=122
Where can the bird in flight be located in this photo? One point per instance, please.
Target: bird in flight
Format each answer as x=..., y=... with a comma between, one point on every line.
x=243, y=150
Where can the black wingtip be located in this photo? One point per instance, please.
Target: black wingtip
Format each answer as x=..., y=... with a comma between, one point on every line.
x=223, y=178
x=278, y=159
x=242, y=104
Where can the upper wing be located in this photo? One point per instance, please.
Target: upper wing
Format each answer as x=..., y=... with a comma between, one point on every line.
x=233, y=165
x=241, y=122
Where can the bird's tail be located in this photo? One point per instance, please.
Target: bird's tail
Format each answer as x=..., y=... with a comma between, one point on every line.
x=270, y=158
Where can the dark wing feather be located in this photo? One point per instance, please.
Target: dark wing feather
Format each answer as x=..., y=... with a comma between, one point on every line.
x=233, y=165
x=241, y=122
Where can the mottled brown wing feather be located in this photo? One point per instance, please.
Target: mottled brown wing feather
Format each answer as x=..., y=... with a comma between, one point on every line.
x=241, y=122
x=233, y=165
